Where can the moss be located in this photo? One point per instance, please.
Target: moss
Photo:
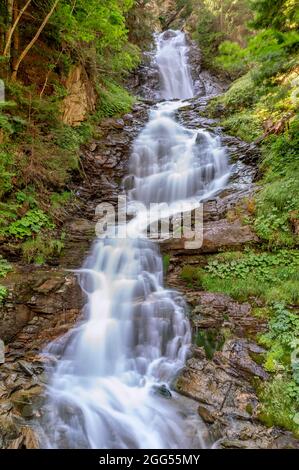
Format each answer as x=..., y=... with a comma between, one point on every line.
x=244, y=125
x=166, y=263
x=211, y=340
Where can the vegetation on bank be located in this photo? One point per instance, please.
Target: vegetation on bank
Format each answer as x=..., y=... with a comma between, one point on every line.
x=256, y=44
x=41, y=43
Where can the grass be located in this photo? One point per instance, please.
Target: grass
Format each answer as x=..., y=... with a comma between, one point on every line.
x=278, y=405
x=269, y=276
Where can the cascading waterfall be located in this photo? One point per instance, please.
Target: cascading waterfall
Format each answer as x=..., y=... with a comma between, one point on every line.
x=134, y=337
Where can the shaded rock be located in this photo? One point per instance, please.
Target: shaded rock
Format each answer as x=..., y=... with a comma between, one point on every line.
x=206, y=414
x=162, y=390
x=112, y=123
x=215, y=310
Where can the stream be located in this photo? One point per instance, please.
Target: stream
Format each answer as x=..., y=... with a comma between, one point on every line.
x=111, y=386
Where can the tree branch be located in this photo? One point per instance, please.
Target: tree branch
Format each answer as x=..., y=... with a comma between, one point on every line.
x=32, y=42
x=12, y=29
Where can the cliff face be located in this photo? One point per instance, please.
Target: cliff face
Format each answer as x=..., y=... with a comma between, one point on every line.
x=81, y=97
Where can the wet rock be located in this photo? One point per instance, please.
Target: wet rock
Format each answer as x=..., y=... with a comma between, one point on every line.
x=26, y=368
x=215, y=310
x=217, y=235
x=112, y=123
x=162, y=390
x=206, y=414
x=201, y=139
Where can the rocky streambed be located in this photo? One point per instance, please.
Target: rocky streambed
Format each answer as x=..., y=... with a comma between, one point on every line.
x=44, y=303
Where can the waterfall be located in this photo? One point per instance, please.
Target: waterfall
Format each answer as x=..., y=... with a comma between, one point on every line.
x=105, y=390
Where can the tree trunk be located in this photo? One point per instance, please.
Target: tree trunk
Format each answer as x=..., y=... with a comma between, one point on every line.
x=33, y=41
x=16, y=35
x=10, y=20
x=11, y=30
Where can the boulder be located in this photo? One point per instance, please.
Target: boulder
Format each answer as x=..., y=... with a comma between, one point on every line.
x=217, y=236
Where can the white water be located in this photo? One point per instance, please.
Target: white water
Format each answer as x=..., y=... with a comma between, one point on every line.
x=135, y=335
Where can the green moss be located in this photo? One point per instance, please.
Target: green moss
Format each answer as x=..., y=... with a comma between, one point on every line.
x=244, y=125
x=166, y=262
x=211, y=340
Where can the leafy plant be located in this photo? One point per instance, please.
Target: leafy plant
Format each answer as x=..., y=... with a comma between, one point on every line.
x=3, y=293
x=32, y=222
x=5, y=267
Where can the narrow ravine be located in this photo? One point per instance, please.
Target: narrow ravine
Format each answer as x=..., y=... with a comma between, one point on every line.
x=105, y=390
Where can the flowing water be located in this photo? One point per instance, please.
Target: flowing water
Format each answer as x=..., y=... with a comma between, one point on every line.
x=105, y=390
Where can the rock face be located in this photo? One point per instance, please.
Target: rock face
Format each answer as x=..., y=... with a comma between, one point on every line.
x=81, y=98
x=217, y=235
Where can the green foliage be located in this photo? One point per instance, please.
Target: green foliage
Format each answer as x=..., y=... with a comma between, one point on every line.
x=211, y=340
x=5, y=267
x=113, y=100
x=241, y=94
x=261, y=263
x=244, y=125
x=42, y=248
x=279, y=408
x=282, y=341
x=231, y=57
x=219, y=21
x=269, y=276
x=3, y=293
x=61, y=199
x=96, y=31
x=32, y=222
x=6, y=173
x=280, y=14
x=191, y=275
x=166, y=262
x=278, y=201
x=268, y=52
